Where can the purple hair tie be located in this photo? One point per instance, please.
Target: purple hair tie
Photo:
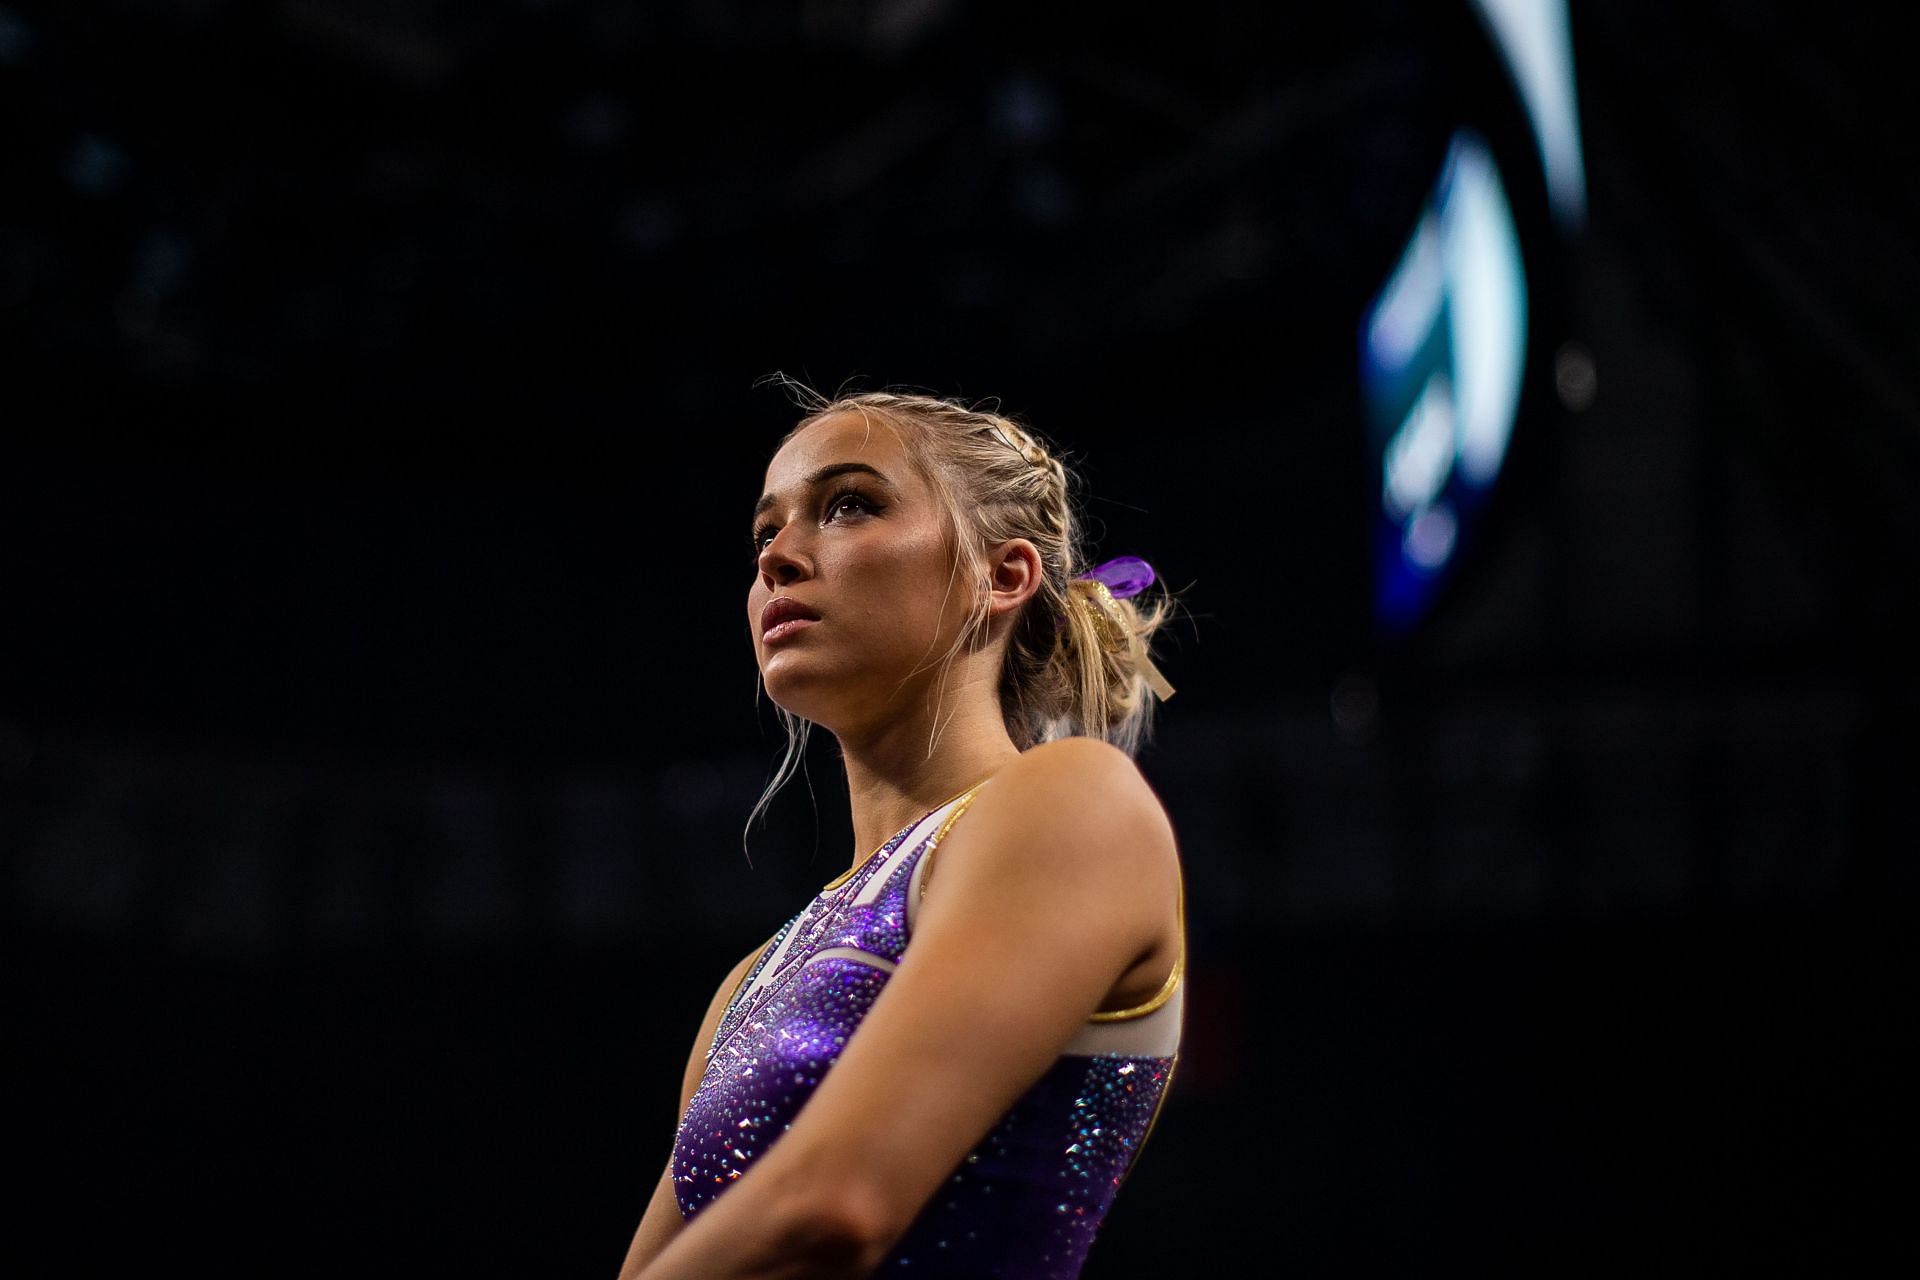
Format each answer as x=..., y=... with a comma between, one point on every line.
x=1117, y=579
x=1123, y=575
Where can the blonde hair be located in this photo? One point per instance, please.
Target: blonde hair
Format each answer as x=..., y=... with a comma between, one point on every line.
x=1064, y=675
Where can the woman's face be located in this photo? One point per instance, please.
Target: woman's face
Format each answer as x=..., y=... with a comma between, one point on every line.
x=849, y=532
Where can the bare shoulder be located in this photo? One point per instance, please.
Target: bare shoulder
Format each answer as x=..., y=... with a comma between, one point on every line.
x=1076, y=797
x=1087, y=773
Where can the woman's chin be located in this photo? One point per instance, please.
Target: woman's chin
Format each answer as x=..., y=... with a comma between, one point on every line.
x=797, y=693
x=834, y=695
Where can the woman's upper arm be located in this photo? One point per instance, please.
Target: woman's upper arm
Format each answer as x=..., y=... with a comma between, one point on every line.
x=1058, y=879
x=662, y=1221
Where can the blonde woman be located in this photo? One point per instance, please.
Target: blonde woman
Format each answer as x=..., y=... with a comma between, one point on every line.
x=947, y=1062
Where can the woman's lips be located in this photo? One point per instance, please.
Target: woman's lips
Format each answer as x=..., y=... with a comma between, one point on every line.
x=784, y=616
x=785, y=630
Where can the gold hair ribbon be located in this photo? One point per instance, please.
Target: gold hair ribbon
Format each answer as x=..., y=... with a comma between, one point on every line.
x=1111, y=623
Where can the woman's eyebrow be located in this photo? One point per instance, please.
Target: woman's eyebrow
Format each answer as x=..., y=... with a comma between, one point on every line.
x=820, y=477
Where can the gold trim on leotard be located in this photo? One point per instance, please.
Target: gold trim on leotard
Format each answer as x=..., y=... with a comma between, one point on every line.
x=966, y=801
x=1153, y=1121
x=1167, y=988
x=848, y=874
x=854, y=870
x=925, y=869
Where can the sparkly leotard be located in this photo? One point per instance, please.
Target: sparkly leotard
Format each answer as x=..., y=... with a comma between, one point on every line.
x=1025, y=1203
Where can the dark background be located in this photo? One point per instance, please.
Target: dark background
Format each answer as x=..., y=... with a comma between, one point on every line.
x=377, y=726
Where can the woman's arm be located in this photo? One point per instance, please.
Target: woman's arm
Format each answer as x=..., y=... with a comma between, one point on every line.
x=1062, y=875
x=662, y=1220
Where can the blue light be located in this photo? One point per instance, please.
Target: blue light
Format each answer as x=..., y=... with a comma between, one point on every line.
x=1442, y=352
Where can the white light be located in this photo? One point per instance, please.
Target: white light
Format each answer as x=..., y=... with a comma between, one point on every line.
x=1487, y=296
x=1420, y=455
x=1404, y=315
x=1537, y=43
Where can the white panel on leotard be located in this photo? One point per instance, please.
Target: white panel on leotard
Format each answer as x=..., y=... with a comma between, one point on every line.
x=919, y=875
x=877, y=881
x=854, y=954
x=1151, y=1035
x=763, y=977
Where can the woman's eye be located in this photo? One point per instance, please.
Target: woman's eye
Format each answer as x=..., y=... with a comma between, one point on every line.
x=844, y=501
x=841, y=504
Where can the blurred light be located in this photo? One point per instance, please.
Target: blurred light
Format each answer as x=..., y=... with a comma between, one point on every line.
x=1026, y=110
x=1487, y=292
x=1574, y=377
x=1044, y=197
x=95, y=166
x=161, y=262
x=901, y=24
x=1537, y=42
x=1430, y=537
x=1442, y=363
x=1421, y=455
x=16, y=39
x=1403, y=317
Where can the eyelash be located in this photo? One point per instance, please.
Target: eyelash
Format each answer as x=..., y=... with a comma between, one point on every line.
x=757, y=541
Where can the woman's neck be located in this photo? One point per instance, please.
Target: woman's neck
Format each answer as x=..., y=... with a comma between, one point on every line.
x=892, y=780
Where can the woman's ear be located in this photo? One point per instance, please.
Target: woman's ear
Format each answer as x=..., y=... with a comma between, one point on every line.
x=1013, y=575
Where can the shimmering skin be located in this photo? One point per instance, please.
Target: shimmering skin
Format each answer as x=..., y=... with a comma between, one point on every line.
x=1024, y=1204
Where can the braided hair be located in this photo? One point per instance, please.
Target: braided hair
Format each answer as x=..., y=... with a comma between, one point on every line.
x=1066, y=672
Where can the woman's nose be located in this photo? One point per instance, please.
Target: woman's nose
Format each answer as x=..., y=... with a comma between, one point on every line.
x=783, y=560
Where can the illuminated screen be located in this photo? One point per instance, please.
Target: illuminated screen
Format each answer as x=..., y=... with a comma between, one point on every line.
x=1442, y=349
x=1534, y=38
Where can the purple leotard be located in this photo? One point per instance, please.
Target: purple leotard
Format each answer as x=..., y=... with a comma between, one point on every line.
x=1025, y=1203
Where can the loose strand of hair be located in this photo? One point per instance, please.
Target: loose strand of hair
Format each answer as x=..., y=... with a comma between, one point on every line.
x=797, y=730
